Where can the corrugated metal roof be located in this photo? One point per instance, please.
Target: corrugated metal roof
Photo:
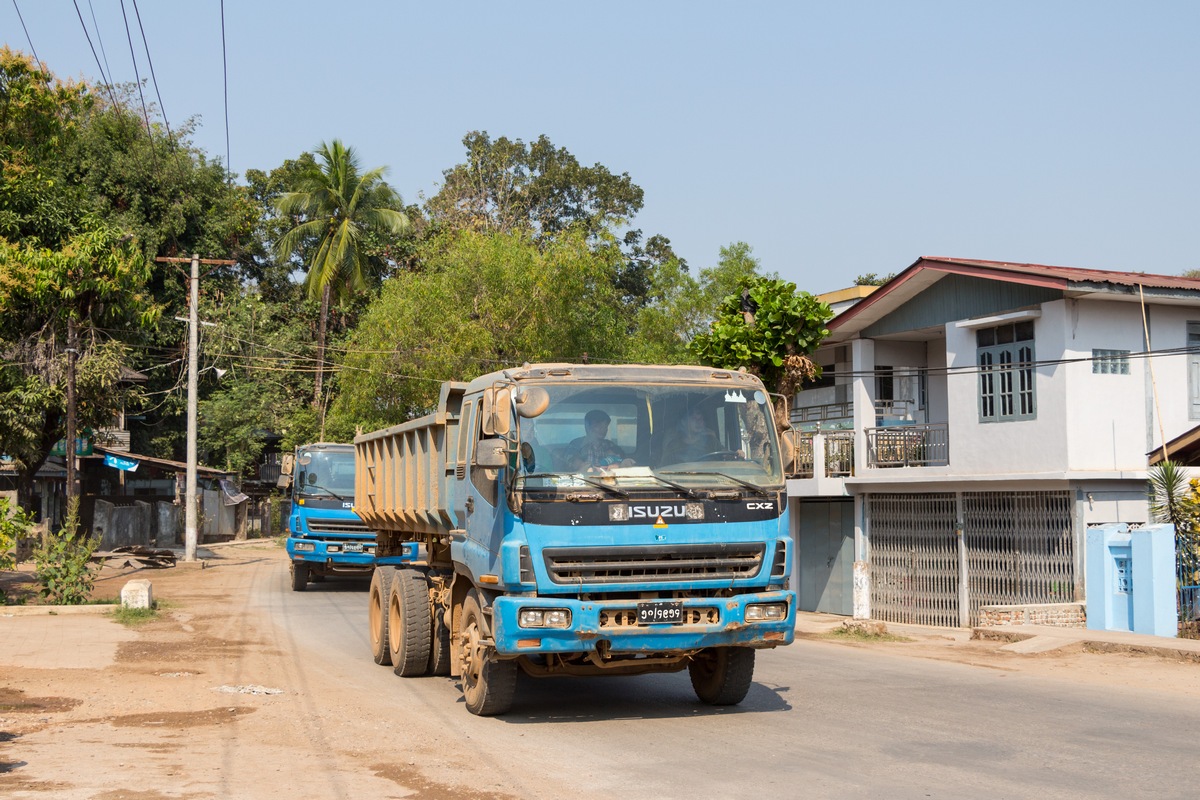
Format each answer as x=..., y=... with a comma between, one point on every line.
x=927, y=270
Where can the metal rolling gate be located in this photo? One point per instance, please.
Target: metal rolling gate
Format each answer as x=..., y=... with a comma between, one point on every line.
x=1016, y=547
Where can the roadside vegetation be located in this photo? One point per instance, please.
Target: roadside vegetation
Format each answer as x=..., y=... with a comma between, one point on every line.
x=865, y=631
x=345, y=306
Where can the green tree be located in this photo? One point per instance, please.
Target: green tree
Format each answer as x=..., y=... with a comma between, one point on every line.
x=873, y=279
x=336, y=206
x=95, y=282
x=769, y=328
x=482, y=302
x=507, y=186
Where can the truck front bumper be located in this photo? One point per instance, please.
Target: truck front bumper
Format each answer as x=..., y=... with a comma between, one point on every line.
x=708, y=622
x=336, y=561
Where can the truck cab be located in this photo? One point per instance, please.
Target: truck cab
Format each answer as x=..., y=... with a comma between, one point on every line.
x=325, y=535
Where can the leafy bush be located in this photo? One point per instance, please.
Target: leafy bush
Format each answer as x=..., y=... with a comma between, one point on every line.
x=63, y=563
x=14, y=526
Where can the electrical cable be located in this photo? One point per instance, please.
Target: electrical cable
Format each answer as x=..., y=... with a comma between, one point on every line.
x=88, y=36
x=150, y=61
x=31, y=47
x=225, y=76
x=99, y=40
x=138, y=77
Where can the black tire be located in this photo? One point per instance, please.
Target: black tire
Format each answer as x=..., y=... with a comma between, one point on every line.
x=408, y=633
x=488, y=685
x=299, y=576
x=439, y=647
x=377, y=614
x=722, y=676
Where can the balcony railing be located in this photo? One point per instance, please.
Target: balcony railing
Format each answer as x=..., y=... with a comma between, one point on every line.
x=909, y=446
x=838, y=452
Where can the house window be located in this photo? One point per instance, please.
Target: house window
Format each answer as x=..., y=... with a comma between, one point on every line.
x=1005, y=358
x=1110, y=362
x=1193, y=368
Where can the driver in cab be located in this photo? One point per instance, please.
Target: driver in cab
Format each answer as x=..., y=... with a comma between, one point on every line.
x=692, y=441
x=594, y=452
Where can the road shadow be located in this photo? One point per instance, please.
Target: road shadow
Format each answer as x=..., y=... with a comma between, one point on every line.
x=661, y=696
x=333, y=583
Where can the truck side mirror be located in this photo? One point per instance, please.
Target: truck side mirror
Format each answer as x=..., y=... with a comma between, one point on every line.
x=287, y=464
x=497, y=411
x=789, y=445
x=532, y=401
x=491, y=453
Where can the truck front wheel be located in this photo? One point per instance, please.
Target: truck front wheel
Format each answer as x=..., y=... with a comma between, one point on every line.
x=377, y=614
x=488, y=685
x=722, y=676
x=408, y=634
x=299, y=576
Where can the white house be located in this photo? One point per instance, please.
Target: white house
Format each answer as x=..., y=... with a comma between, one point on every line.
x=975, y=417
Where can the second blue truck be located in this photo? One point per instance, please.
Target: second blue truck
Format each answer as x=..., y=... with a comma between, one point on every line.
x=325, y=535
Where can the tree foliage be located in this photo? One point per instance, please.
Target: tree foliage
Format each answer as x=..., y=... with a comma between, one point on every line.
x=769, y=328
x=482, y=302
x=507, y=186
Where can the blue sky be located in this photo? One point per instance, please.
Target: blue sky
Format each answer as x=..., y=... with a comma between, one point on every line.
x=835, y=138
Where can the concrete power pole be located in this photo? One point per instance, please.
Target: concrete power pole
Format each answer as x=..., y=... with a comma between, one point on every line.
x=190, y=526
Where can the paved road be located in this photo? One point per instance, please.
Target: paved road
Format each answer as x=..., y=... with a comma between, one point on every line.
x=822, y=720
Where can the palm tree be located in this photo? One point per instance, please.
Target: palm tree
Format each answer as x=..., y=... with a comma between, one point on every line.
x=337, y=205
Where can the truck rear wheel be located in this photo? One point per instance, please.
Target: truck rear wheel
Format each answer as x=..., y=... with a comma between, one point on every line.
x=299, y=576
x=408, y=633
x=722, y=676
x=377, y=614
x=488, y=685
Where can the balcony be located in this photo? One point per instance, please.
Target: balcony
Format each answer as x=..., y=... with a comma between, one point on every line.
x=837, y=447
x=925, y=445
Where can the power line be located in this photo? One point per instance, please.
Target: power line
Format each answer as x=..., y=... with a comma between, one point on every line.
x=137, y=76
x=225, y=76
x=31, y=48
x=99, y=40
x=88, y=36
x=161, y=109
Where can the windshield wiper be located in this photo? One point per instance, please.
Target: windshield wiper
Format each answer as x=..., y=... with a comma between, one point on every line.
x=689, y=491
x=751, y=486
x=588, y=481
x=326, y=490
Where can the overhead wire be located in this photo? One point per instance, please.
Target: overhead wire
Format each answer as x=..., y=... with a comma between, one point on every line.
x=99, y=40
x=107, y=84
x=138, y=77
x=161, y=109
x=27, y=38
x=225, y=77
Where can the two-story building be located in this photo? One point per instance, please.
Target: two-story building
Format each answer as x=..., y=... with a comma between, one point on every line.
x=974, y=418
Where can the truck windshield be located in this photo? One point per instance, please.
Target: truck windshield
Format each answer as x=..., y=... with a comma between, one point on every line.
x=325, y=473
x=686, y=436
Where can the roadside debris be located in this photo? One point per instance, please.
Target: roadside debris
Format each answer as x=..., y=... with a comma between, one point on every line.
x=136, y=556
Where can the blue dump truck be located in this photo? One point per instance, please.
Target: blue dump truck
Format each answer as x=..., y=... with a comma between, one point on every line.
x=325, y=536
x=562, y=519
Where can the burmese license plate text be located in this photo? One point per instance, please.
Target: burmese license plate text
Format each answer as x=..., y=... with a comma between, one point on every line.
x=649, y=613
x=354, y=547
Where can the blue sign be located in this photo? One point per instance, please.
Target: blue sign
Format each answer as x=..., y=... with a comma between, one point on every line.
x=125, y=464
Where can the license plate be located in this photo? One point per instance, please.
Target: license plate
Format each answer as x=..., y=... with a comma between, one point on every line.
x=652, y=613
x=353, y=547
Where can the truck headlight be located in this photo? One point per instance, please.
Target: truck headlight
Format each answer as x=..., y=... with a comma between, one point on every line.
x=304, y=547
x=760, y=612
x=544, y=618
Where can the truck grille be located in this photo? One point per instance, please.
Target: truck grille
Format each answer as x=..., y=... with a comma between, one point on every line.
x=583, y=566
x=335, y=526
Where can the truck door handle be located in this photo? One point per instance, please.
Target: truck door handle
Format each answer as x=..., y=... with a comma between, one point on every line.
x=470, y=504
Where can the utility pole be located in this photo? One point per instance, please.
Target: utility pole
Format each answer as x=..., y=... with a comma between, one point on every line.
x=72, y=423
x=190, y=532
